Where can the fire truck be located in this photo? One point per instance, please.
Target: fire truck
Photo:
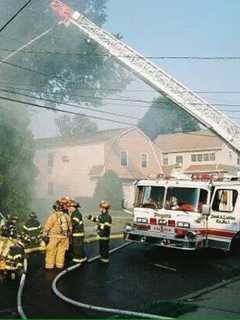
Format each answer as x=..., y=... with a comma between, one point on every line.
x=187, y=213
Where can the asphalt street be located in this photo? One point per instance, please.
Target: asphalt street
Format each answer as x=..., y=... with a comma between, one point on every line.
x=138, y=278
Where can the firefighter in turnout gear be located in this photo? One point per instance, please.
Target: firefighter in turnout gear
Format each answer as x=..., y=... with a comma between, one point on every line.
x=78, y=250
x=9, y=230
x=31, y=233
x=57, y=228
x=104, y=221
x=11, y=255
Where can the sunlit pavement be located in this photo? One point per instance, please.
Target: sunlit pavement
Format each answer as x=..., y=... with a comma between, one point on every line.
x=138, y=278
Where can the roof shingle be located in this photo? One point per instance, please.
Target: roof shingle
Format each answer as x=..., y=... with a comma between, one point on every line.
x=188, y=141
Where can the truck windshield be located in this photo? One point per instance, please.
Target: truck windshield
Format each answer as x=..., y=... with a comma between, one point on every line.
x=185, y=199
x=150, y=197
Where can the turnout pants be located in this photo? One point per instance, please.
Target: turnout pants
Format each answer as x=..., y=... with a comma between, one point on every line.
x=78, y=250
x=55, y=254
x=104, y=250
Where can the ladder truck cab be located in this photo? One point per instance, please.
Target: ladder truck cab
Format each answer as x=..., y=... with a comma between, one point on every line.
x=186, y=214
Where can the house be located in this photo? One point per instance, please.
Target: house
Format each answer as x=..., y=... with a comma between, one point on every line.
x=73, y=167
x=196, y=152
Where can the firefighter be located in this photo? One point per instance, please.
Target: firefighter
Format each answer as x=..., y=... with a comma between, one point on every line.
x=78, y=250
x=10, y=230
x=104, y=221
x=11, y=256
x=57, y=229
x=15, y=258
x=31, y=233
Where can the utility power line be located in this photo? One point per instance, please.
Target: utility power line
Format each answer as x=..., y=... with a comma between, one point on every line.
x=130, y=102
x=15, y=15
x=36, y=38
x=35, y=105
x=27, y=88
x=91, y=109
x=69, y=104
x=80, y=54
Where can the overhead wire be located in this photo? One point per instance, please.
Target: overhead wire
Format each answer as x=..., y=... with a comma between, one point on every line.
x=92, y=109
x=27, y=88
x=36, y=38
x=69, y=104
x=57, y=52
x=106, y=98
x=9, y=89
x=97, y=110
x=15, y=15
x=28, y=103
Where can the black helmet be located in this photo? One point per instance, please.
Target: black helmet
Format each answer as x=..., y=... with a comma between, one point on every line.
x=57, y=206
x=74, y=204
x=33, y=215
x=14, y=218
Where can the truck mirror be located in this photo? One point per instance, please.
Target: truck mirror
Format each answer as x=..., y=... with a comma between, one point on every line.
x=206, y=210
x=124, y=204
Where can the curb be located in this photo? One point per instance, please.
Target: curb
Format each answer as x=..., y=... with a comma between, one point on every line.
x=206, y=290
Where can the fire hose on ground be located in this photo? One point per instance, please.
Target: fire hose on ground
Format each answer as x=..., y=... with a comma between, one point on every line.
x=20, y=291
x=98, y=308
x=78, y=303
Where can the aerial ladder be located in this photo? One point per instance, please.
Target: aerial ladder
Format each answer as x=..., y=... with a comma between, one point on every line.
x=153, y=75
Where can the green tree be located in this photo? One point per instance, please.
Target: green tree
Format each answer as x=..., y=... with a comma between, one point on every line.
x=109, y=188
x=165, y=117
x=71, y=66
x=17, y=170
x=76, y=126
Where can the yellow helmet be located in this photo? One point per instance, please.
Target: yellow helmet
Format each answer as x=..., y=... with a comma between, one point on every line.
x=104, y=205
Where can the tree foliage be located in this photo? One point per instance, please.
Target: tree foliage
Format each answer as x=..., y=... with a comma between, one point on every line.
x=76, y=126
x=109, y=188
x=165, y=117
x=17, y=170
x=66, y=67
x=71, y=66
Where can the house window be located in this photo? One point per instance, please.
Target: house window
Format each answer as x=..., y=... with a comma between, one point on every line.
x=199, y=157
x=50, y=188
x=194, y=157
x=238, y=160
x=144, y=160
x=179, y=159
x=65, y=159
x=165, y=161
x=124, y=159
x=206, y=157
x=230, y=155
x=50, y=159
x=212, y=156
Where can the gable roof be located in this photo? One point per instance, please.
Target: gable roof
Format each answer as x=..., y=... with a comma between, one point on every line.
x=99, y=137
x=188, y=141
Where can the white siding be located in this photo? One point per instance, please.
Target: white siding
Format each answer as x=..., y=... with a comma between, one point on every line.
x=68, y=177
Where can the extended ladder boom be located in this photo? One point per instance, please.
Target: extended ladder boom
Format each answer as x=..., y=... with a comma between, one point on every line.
x=153, y=75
